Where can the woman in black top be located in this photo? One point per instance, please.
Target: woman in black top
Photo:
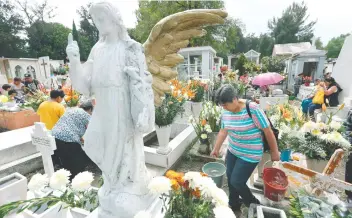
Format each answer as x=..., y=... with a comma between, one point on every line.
x=331, y=93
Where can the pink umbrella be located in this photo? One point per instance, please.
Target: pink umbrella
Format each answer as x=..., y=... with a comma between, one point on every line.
x=267, y=79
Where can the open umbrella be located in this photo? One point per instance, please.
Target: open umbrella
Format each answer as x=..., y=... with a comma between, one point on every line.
x=267, y=79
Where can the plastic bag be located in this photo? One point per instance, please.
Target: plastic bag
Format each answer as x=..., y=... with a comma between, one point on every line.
x=319, y=97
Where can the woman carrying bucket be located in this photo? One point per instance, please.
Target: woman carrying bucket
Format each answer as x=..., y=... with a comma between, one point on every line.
x=245, y=143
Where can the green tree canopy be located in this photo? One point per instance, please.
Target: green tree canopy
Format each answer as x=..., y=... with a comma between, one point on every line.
x=334, y=46
x=240, y=64
x=47, y=39
x=273, y=64
x=223, y=38
x=293, y=25
x=11, y=24
x=319, y=44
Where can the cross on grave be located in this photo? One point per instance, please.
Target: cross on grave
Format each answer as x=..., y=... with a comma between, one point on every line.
x=43, y=64
x=45, y=144
x=323, y=181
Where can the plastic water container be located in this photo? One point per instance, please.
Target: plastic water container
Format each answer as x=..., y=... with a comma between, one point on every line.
x=216, y=171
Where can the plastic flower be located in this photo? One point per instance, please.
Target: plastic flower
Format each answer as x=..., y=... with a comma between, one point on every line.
x=143, y=214
x=38, y=181
x=60, y=179
x=223, y=211
x=82, y=182
x=335, y=125
x=160, y=185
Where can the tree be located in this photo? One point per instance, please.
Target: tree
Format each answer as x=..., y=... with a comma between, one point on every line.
x=240, y=64
x=292, y=26
x=319, y=44
x=36, y=12
x=88, y=32
x=77, y=38
x=273, y=64
x=266, y=45
x=47, y=39
x=223, y=38
x=11, y=24
x=334, y=46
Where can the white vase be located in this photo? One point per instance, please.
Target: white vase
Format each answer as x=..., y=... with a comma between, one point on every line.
x=196, y=108
x=13, y=188
x=58, y=211
x=163, y=134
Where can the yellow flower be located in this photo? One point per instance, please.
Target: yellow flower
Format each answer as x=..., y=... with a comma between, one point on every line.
x=174, y=184
x=316, y=132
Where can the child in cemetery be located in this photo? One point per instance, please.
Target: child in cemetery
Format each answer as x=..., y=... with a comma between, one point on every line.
x=18, y=86
x=245, y=149
x=317, y=94
x=5, y=89
x=68, y=133
x=50, y=111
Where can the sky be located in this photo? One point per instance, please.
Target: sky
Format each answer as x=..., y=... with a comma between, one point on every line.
x=333, y=17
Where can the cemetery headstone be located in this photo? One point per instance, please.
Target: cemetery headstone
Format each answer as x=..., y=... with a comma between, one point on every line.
x=342, y=72
x=45, y=144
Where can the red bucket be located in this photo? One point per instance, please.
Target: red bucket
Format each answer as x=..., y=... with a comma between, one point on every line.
x=272, y=191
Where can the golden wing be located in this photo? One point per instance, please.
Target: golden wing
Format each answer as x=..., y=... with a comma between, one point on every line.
x=168, y=36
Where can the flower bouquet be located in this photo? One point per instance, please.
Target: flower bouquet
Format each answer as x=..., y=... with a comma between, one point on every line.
x=72, y=97
x=75, y=195
x=195, y=90
x=190, y=195
x=34, y=100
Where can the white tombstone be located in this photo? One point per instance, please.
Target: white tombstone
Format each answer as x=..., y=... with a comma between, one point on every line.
x=45, y=144
x=342, y=71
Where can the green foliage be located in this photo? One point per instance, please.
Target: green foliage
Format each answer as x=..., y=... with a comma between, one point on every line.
x=69, y=198
x=242, y=60
x=334, y=46
x=292, y=26
x=273, y=64
x=88, y=32
x=168, y=110
x=319, y=44
x=223, y=38
x=11, y=24
x=48, y=39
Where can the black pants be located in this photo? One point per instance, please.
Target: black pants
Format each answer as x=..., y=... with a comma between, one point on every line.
x=70, y=156
x=348, y=174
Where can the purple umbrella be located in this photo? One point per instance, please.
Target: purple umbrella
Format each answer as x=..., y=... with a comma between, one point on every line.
x=267, y=79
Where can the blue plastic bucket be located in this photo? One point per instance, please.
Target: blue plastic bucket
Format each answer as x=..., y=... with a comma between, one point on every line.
x=285, y=155
x=216, y=171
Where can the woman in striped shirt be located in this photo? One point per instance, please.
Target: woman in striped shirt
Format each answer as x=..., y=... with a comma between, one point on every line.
x=245, y=143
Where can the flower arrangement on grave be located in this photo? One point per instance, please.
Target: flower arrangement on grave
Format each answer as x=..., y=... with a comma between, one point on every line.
x=72, y=97
x=34, y=100
x=77, y=194
x=195, y=90
x=171, y=106
x=317, y=140
x=212, y=114
x=190, y=195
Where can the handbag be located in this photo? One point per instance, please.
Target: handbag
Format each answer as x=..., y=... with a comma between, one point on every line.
x=275, y=131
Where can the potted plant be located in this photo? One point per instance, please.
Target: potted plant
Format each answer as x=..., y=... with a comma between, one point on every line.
x=78, y=194
x=189, y=195
x=194, y=91
x=165, y=114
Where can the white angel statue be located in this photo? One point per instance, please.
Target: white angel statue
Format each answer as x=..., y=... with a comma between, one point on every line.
x=116, y=73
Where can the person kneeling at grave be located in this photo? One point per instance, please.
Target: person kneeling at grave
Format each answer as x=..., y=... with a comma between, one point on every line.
x=68, y=133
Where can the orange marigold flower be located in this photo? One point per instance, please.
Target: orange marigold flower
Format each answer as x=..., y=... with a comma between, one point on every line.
x=196, y=193
x=204, y=174
x=175, y=185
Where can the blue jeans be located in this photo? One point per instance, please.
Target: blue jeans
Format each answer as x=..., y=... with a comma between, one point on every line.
x=305, y=105
x=312, y=107
x=238, y=172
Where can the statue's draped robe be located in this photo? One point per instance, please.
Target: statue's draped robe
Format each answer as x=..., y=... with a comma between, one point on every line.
x=112, y=139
